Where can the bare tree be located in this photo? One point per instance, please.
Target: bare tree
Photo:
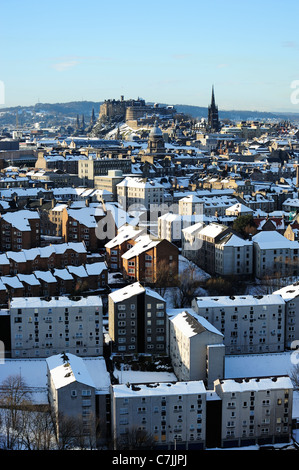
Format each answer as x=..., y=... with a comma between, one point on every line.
x=164, y=278
x=38, y=431
x=66, y=430
x=294, y=376
x=188, y=285
x=134, y=439
x=14, y=400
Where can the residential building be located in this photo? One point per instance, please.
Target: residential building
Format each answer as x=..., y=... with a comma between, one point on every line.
x=79, y=225
x=254, y=411
x=190, y=205
x=20, y=230
x=134, y=193
x=292, y=231
x=174, y=414
x=148, y=260
x=74, y=392
x=233, y=256
x=274, y=255
x=196, y=348
x=41, y=327
x=122, y=242
x=170, y=226
x=290, y=295
x=208, y=237
x=191, y=242
x=137, y=320
x=249, y=323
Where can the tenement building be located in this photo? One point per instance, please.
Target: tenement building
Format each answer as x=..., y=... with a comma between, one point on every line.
x=249, y=323
x=186, y=415
x=41, y=327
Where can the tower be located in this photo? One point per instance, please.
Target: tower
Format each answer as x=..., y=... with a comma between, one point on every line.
x=213, y=119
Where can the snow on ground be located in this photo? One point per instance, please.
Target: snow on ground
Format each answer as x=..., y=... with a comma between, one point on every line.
x=258, y=365
x=34, y=374
x=184, y=264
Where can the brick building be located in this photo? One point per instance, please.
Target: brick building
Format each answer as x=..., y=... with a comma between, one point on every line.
x=20, y=230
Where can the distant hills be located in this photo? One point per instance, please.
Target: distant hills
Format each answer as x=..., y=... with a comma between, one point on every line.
x=74, y=108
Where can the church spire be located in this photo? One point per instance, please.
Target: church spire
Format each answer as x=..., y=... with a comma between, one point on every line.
x=213, y=120
x=213, y=97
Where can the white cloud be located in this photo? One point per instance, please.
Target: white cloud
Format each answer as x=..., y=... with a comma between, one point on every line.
x=62, y=66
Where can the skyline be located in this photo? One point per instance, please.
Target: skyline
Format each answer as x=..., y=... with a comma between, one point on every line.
x=162, y=52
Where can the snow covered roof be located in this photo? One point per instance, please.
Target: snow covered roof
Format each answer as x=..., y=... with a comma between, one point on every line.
x=135, y=182
x=240, y=208
x=12, y=281
x=63, y=274
x=145, y=243
x=193, y=228
x=94, y=269
x=19, y=219
x=192, y=324
x=271, y=240
x=288, y=292
x=86, y=216
x=58, y=301
x=28, y=279
x=66, y=369
x=45, y=276
x=255, y=384
x=127, y=292
x=212, y=230
x=78, y=271
x=159, y=389
x=191, y=198
x=234, y=240
x=126, y=232
x=238, y=300
x=133, y=289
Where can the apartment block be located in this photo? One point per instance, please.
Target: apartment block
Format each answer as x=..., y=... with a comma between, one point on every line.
x=122, y=242
x=75, y=392
x=196, y=348
x=137, y=320
x=20, y=230
x=275, y=255
x=233, y=256
x=187, y=415
x=254, y=411
x=170, y=226
x=41, y=327
x=208, y=237
x=249, y=323
x=80, y=225
x=149, y=258
x=290, y=295
x=139, y=193
x=173, y=414
x=190, y=205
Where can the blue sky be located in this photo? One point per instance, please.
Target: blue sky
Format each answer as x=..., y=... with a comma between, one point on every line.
x=165, y=51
